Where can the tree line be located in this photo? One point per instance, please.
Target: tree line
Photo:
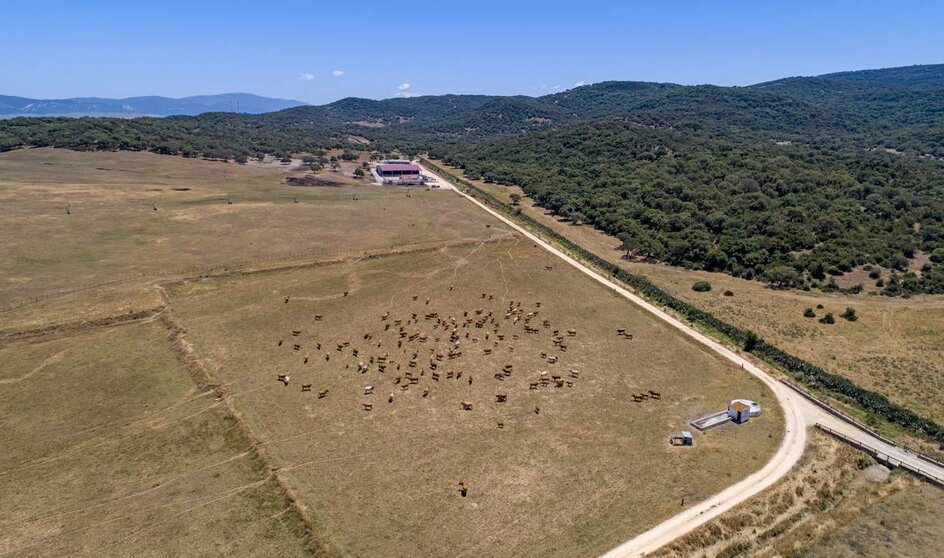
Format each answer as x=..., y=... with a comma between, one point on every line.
x=791, y=215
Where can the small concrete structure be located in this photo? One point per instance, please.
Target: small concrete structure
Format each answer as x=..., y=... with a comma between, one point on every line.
x=741, y=410
x=710, y=421
x=685, y=439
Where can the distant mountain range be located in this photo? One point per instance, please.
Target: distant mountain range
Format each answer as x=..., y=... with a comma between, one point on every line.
x=143, y=106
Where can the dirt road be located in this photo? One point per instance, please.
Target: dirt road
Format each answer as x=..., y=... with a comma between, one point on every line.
x=799, y=413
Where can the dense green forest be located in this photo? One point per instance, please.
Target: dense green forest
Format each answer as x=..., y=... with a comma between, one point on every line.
x=791, y=215
x=793, y=181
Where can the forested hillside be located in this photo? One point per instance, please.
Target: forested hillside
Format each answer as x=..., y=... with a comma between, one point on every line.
x=793, y=181
x=791, y=215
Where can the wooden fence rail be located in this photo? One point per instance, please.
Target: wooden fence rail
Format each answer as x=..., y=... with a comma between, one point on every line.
x=880, y=455
x=836, y=412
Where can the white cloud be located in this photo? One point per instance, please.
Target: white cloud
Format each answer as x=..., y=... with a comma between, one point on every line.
x=404, y=90
x=307, y=76
x=337, y=73
x=580, y=83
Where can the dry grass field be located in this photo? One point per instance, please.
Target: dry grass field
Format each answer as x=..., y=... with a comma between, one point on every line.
x=572, y=471
x=113, y=232
x=109, y=449
x=837, y=502
x=906, y=524
x=143, y=416
x=895, y=348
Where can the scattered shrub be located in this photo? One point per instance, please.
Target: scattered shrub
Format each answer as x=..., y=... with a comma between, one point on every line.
x=880, y=283
x=828, y=319
x=819, y=306
x=728, y=293
x=750, y=340
x=875, y=273
x=809, y=313
x=849, y=314
x=701, y=286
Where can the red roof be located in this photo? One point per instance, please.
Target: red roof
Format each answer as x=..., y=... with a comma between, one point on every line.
x=398, y=167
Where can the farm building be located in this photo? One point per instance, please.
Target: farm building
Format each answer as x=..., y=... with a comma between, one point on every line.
x=399, y=173
x=741, y=410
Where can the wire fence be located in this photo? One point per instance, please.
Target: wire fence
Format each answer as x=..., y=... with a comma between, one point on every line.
x=322, y=254
x=295, y=195
x=283, y=197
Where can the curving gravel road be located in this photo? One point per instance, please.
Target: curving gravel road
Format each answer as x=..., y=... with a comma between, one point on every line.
x=799, y=413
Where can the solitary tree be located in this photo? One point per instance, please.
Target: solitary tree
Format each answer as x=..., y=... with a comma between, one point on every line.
x=515, y=199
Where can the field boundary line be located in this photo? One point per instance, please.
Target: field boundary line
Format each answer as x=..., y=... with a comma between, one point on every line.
x=178, y=336
x=366, y=254
x=247, y=265
x=78, y=327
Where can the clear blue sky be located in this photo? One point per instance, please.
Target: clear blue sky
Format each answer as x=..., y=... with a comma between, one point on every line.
x=291, y=49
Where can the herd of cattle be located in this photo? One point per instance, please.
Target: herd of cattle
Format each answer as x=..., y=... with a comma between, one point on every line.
x=424, y=346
